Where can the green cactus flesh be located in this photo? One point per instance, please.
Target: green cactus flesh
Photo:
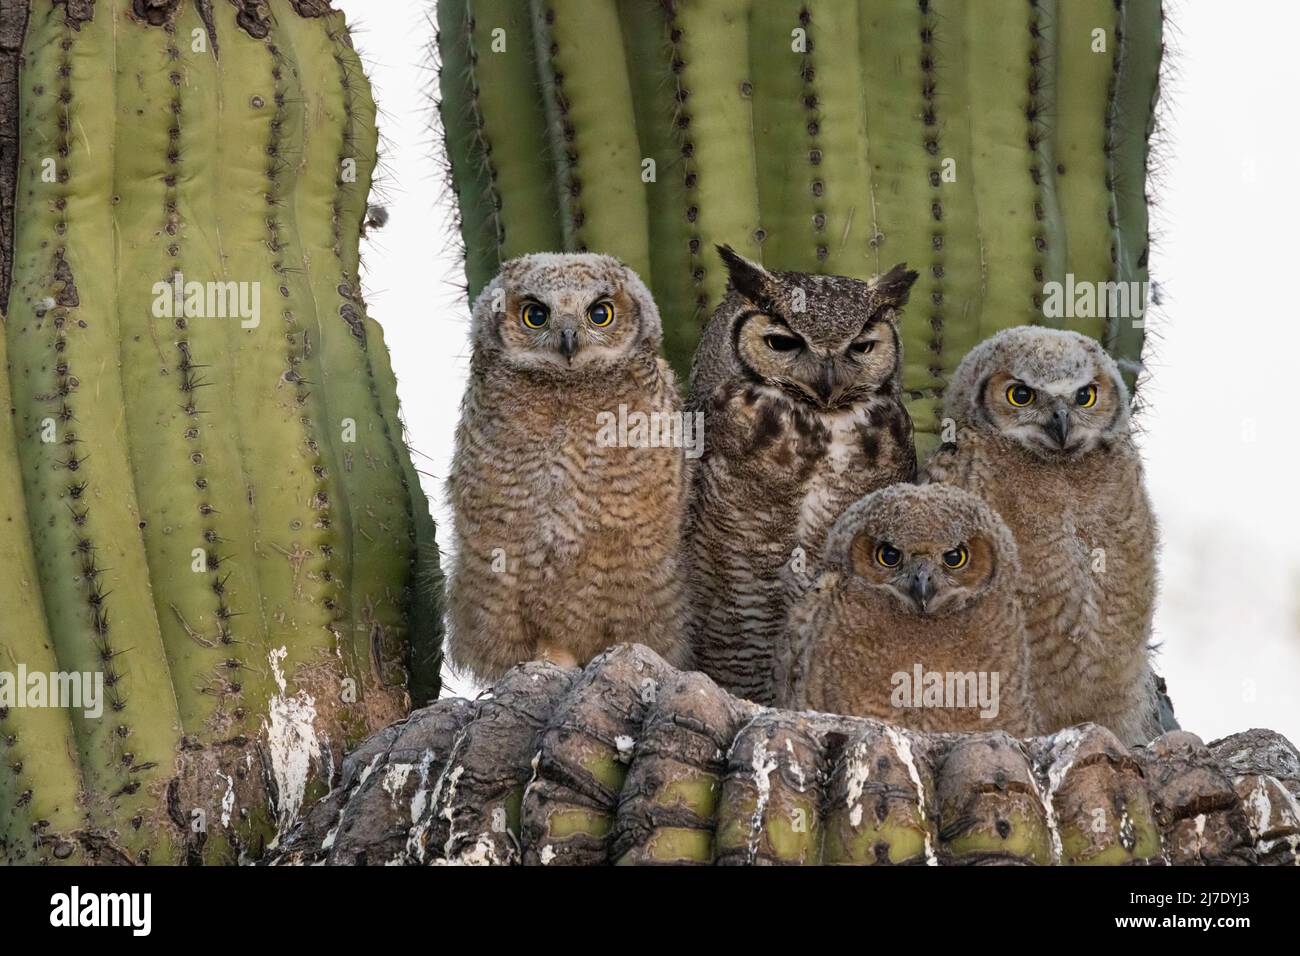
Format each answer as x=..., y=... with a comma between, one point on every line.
x=215, y=512
x=994, y=150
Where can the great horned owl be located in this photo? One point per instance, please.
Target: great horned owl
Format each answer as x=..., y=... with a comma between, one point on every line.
x=567, y=523
x=797, y=377
x=1042, y=433
x=914, y=618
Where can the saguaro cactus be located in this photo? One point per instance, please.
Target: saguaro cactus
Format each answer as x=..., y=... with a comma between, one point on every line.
x=205, y=496
x=996, y=147
x=634, y=762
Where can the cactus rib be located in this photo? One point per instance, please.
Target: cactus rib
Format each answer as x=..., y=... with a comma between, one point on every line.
x=470, y=171
x=594, y=145
x=504, y=71
x=837, y=132
x=39, y=777
x=655, y=102
x=715, y=128
x=1139, y=55
x=786, y=157
x=77, y=477
x=953, y=178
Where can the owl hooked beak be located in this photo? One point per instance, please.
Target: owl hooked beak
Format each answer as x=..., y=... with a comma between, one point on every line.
x=1059, y=425
x=568, y=343
x=921, y=587
x=825, y=385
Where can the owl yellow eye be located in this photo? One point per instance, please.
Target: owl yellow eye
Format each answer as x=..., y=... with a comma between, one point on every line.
x=888, y=556
x=535, y=315
x=782, y=343
x=600, y=314
x=957, y=558
x=1086, y=397
x=1021, y=395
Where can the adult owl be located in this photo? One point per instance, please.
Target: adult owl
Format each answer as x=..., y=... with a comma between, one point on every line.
x=1042, y=433
x=915, y=618
x=566, y=520
x=797, y=377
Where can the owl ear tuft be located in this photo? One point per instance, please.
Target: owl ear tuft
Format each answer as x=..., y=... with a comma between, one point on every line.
x=893, y=287
x=748, y=278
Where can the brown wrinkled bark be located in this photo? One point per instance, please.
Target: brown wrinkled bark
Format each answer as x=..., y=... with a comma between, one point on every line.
x=631, y=761
x=13, y=24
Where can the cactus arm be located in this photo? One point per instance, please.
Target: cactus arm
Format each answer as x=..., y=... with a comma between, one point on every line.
x=79, y=489
x=368, y=502
x=469, y=174
x=594, y=140
x=140, y=433
x=654, y=97
x=426, y=583
x=782, y=90
x=289, y=492
x=316, y=141
x=39, y=775
x=417, y=631
x=1136, y=88
x=1083, y=107
x=412, y=560
x=710, y=59
x=514, y=141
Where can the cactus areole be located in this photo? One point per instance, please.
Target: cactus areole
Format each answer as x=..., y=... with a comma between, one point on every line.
x=999, y=148
x=213, y=541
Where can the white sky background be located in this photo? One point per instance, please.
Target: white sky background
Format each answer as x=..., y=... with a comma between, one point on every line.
x=1220, y=430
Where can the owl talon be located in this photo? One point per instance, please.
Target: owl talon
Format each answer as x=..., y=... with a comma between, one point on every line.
x=558, y=656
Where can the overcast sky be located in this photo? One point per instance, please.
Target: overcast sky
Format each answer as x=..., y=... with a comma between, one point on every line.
x=1219, y=433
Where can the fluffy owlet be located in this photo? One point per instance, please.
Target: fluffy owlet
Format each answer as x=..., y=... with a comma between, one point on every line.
x=567, y=519
x=1042, y=420
x=797, y=377
x=915, y=618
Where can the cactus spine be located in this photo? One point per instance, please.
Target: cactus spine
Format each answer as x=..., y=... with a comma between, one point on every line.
x=213, y=508
x=995, y=150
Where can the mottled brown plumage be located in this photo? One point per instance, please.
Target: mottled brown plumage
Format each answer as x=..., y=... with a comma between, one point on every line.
x=1063, y=472
x=798, y=379
x=918, y=592
x=564, y=543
